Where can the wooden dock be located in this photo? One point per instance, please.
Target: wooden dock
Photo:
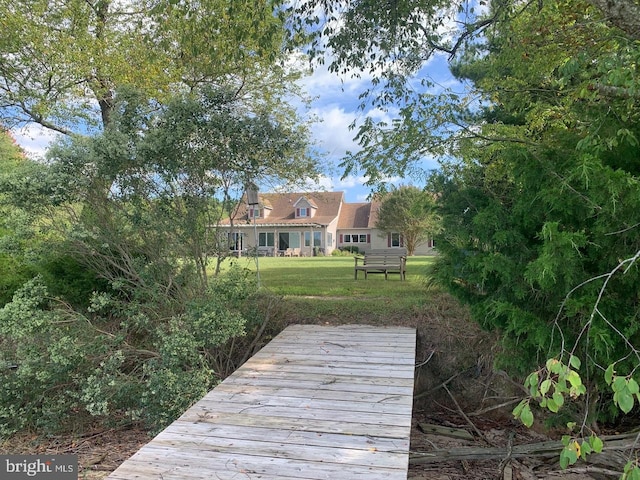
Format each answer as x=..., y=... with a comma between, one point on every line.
x=318, y=402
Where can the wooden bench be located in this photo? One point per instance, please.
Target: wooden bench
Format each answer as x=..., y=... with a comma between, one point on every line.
x=381, y=262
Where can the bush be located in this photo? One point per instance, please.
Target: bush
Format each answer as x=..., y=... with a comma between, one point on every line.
x=12, y=275
x=117, y=361
x=66, y=277
x=346, y=251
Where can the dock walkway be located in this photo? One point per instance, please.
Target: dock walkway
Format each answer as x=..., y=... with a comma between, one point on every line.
x=317, y=402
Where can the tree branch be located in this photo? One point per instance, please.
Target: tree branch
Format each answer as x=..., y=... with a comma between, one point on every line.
x=623, y=14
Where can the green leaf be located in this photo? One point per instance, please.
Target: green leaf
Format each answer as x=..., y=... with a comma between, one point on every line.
x=518, y=410
x=608, y=374
x=564, y=460
x=555, y=366
x=552, y=405
x=574, y=362
x=625, y=400
x=568, y=456
x=526, y=417
x=558, y=398
x=632, y=386
x=596, y=444
x=574, y=379
x=586, y=448
x=619, y=383
x=545, y=386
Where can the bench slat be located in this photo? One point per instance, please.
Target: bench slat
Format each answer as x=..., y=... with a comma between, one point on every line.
x=381, y=263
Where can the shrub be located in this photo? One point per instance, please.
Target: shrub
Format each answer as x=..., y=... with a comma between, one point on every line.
x=347, y=250
x=118, y=361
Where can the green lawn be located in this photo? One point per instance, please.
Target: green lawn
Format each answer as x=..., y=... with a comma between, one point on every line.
x=316, y=288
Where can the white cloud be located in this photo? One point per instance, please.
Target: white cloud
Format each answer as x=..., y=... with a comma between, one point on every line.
x=323, y=183
x=34, y=139
x=351, y=181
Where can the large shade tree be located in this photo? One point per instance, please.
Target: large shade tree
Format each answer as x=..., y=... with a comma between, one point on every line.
x=64, y=67
x=539, y=183
x=409, y=211
x=149, y=339
x=165, y=108
x=541, y=230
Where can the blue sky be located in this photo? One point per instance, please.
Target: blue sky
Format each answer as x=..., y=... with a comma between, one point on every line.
x=335, y=104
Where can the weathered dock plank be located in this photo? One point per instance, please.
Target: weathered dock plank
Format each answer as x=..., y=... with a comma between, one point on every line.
x=318, y=402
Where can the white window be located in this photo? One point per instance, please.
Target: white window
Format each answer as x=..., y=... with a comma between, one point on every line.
x=266, y=239
x=303, y=212
x=235, y=241
x=396, y=241
x=363, y=238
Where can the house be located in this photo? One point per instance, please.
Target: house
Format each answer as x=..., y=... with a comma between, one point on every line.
x=307, y=224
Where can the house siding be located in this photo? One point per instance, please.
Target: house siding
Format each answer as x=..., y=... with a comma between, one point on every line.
x=328, y=217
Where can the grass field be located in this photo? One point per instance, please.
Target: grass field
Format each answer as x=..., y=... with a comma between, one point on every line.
x=324, y=287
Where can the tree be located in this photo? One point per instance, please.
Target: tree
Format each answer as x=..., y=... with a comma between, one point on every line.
x=392, y=42
x=150, y=338
x=541, y=169
x=411, y=212
x=540, y=180
x=530, y=209
x=173, y=176
x=13, y=272
x=65, y=67
x=539, y=231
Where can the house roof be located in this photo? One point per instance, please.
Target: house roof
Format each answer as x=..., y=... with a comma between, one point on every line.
x=283, y=210
x=358, y=215
x=328, y=205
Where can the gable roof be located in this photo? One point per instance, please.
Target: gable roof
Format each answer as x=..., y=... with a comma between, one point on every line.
x=283, y=210
x=304, y=199
x=358, y=215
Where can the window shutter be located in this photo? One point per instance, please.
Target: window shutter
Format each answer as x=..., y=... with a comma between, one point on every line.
x=297, y=212
x=340, y=238
x=368, y=238
x=389, y=240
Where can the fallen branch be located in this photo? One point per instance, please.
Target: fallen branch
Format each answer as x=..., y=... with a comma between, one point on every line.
x=437, y=387
x=464, y=415
x=508, y=403
x=445, y=431
x=613, y=444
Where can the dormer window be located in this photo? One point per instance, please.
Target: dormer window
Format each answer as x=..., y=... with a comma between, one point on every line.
x=254, y=212
x=305, y=208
